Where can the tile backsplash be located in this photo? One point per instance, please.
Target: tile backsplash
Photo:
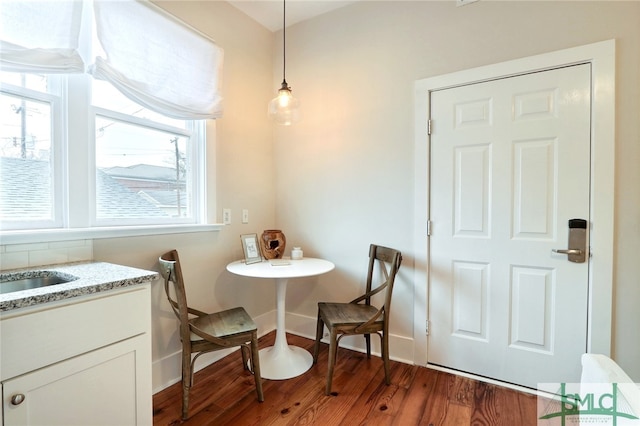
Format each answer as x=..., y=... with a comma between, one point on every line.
x=37, y=254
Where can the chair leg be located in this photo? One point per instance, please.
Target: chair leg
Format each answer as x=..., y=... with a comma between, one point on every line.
x=187, y=378
x=255, y=362
x=367, y=340
x=245, y=357
x=385, y=358
x=319, y=330
x=333, y=350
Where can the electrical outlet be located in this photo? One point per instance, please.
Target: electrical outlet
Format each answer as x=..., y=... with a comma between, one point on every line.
x=245, y=216
x=226, y=216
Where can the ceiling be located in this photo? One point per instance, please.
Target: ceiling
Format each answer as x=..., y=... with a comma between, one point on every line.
x=269, y=12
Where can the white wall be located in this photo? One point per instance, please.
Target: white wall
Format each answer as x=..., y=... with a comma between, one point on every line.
x=344, y=175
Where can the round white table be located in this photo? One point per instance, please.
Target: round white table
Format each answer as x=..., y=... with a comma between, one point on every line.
x=282, y=361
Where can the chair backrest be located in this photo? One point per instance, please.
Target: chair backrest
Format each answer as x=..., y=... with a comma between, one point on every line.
x=389, y=261
x=172, y=272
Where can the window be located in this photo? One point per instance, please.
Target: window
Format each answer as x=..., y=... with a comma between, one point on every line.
x=145, y=168
x=75, y=151
x=30, y=157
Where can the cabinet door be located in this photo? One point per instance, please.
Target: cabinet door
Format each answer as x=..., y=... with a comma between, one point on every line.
x=97, y=388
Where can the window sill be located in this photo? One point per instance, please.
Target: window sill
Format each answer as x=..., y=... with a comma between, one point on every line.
x=51, y=235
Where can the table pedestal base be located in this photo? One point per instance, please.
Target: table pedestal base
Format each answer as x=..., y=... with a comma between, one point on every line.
x=278, y=363
x=282, y=361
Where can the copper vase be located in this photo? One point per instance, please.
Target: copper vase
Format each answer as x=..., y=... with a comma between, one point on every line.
x=273, y=243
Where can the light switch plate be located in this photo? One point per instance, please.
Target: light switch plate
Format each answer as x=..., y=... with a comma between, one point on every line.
x=245, y=216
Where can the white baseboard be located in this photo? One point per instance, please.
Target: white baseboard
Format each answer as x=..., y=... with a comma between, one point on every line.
x=488, y=380
x=168, y=370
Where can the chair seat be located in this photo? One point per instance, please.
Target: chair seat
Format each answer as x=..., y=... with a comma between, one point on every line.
x=347, y=314
x=223, y=324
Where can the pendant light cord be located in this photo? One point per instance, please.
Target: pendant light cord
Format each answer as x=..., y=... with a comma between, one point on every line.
x=284, y=40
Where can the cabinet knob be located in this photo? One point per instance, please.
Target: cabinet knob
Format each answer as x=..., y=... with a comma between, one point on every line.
x=17, y=399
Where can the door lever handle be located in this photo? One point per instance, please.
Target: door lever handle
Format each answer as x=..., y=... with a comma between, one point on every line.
x=568, y=251
x=577, y=240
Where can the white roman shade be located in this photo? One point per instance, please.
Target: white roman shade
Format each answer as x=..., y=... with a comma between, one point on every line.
x=157, y=61
x=40, y=36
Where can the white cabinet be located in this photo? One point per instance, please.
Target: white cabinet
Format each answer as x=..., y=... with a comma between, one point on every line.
x=85, y=361
x=97, y=388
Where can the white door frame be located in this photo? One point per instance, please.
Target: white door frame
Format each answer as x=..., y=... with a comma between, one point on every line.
x=601, y=56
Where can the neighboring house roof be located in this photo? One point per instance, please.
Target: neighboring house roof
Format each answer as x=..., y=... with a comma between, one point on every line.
x=165, y=198
x=117, y=201
x=24, y=189
x=24, y=193
x=143, y=172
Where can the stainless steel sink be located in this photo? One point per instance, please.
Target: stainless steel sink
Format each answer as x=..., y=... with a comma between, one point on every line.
x=32, y=279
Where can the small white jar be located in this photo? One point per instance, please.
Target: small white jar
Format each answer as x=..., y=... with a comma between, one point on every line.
x=296, y=253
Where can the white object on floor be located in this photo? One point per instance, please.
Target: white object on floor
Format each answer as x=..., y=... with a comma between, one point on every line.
x=597, y=368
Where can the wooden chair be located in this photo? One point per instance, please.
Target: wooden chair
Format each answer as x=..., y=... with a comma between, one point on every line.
x=208, y=332
x=359, y=316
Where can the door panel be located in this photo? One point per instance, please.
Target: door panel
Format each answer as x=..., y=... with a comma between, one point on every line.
x=510, y=165
x=534, y=192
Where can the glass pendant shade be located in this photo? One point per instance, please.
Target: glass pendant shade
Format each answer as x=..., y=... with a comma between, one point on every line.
x=284, y=109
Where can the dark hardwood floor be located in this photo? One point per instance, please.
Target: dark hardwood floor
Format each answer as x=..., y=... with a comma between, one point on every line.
x=224, y=394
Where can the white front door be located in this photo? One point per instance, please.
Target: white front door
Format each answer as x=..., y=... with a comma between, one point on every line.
x=510, y=166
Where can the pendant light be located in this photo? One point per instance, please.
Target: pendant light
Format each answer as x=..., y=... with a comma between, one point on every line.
x=284, y=109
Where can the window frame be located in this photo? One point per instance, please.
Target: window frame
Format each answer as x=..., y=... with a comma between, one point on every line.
x=195, y=179
x=56, y=99
x=75, y=174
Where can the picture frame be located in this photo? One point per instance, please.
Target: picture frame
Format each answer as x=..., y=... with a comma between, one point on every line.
x=251, y=248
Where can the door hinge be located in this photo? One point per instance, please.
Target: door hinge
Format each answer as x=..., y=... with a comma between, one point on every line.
x=427, y=328
x=428, y=228
x=429, y=127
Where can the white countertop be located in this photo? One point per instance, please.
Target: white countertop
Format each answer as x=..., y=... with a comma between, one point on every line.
x=93, y=277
